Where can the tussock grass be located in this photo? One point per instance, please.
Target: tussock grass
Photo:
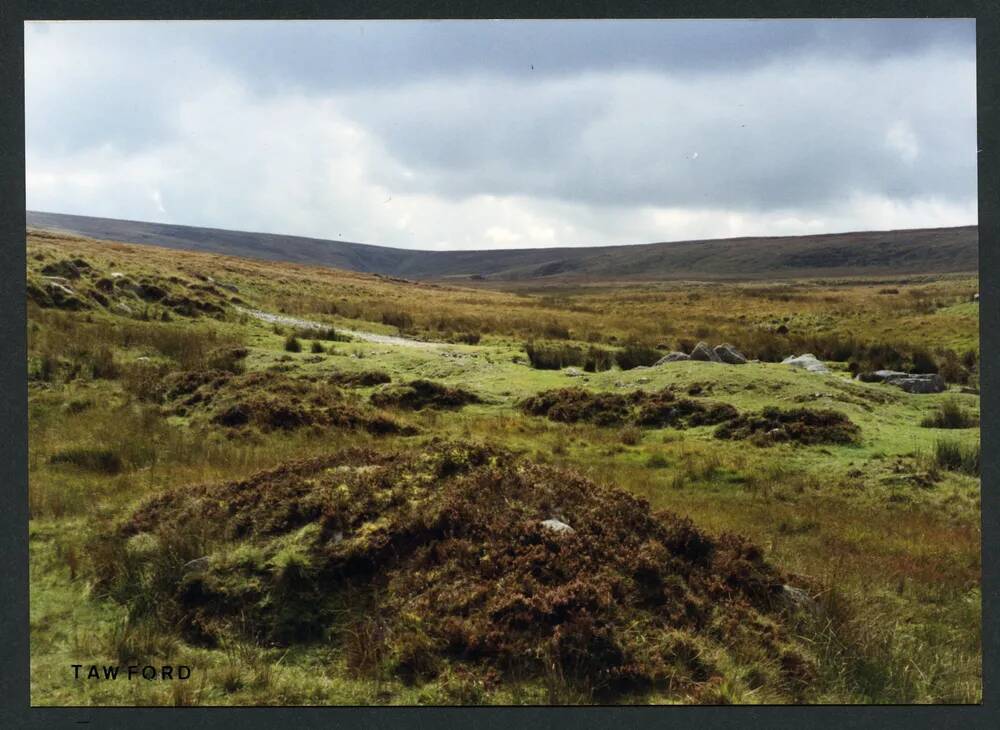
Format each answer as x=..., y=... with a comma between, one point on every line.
x=955, y=456
x=950, y=414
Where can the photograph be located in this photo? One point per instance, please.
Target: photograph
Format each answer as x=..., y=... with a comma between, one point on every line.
x=447, y=363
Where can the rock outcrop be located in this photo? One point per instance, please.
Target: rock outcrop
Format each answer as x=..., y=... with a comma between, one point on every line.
x=808, y=362
x=729, y=354
x=702, y=352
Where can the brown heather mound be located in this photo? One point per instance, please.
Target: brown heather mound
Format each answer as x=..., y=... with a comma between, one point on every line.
x=419, y=394
x=640, y=408
x=802, y=425
x=407, y=562
x=271, y=401
x=363, y=379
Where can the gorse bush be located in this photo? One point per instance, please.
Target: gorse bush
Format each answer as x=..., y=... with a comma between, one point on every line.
x=552, y=356
x=634, y=355
x=292, y=344
x=598, y=360
x=555, y=356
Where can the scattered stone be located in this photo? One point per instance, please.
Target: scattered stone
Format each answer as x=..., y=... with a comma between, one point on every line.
x=807, y=362
x=672, y=357
x=703, y=353
x=572, y=372
x=557, y=526
x=117, y=275
x=880, y=376
x=730, y=355
x=197, y=565
x=910, y=382
x=797, y=599
x=642, y=381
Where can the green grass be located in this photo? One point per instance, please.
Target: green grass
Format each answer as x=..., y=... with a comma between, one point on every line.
x=887, y=529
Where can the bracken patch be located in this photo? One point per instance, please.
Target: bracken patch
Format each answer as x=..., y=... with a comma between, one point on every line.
x=802, y=425
x=413, y=561
x=271, y=401
x=639, y=408
x=419, y=394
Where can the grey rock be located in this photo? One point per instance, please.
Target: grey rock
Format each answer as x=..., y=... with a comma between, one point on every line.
x=921, y=384
x=55, y=286
x=197, y=565
x=797, y=599
x=572, y=372
x=730, y=355
x=910, y=382
x=672, y=357
x=703, y=353
x=557, y=526
x=807, y=362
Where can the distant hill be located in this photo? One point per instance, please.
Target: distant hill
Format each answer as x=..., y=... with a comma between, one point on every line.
x=916, y=251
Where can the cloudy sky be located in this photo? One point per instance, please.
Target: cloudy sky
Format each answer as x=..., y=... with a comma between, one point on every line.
x=490, y=134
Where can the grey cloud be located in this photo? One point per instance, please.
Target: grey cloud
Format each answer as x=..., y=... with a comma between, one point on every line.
x=361, y=54
x=779, y=136
x=770, y=121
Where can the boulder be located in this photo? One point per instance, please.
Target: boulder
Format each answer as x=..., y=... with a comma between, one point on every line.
x=932, y=383
x=730, y=355
x=672, y=357
x=880, y=376
x=704, y=353
x=910, y=382
x=807, y=362
x=573, y=372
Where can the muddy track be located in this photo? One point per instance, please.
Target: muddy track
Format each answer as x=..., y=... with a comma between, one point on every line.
x=284, y=319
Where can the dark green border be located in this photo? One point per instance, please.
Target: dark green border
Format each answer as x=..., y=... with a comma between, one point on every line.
x=15, y=711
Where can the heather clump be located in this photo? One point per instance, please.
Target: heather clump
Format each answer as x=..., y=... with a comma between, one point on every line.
x=458, y=555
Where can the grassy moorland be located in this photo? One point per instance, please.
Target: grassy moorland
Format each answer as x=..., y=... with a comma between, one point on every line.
x=305, y=513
